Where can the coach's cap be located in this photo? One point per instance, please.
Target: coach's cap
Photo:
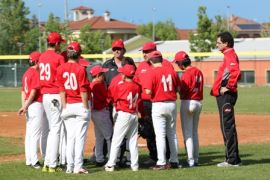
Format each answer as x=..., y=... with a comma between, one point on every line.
x=180, y=56
x=149, y=46
x=75, y=46
x=55, y=37
x=128, y=70
x=154, y=54
x=97, y=69
x=118, y=44
x=34, y=56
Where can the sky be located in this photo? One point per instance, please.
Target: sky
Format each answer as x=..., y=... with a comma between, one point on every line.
x=182, y=12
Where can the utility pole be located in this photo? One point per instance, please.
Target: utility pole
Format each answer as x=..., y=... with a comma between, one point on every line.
x=153, y=24
x=39, y=19
x=66, y=10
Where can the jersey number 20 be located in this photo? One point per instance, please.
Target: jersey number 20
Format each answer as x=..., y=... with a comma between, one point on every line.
x=71, y=81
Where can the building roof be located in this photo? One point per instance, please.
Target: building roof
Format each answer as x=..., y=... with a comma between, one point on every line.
x=98, y=22
x=183, y=34
x=81, y=8
x=243, y=24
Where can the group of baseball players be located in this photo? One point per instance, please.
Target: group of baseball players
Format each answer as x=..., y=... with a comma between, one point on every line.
x=59, y=100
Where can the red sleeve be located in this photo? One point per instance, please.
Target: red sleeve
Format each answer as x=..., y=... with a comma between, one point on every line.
x=232, y=64
x=83, y=81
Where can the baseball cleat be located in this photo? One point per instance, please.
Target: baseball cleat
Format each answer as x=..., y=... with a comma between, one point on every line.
x=45, y=168
x=160, y=167
x=135, y=168
x=36, y=166
x=109, y=168
x=69, y=171
x=149, y=162
x=81, y=171
x=226, y=164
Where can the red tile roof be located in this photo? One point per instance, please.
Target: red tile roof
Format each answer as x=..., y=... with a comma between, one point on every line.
x=82, y=8
x=98, y=22
x=183, y=34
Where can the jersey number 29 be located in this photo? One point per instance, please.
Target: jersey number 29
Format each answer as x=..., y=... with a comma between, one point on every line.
x=45, y=71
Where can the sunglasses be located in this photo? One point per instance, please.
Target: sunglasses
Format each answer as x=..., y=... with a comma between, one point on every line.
x=117, y=49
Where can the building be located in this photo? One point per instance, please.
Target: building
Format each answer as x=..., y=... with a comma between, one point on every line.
x=83, y=16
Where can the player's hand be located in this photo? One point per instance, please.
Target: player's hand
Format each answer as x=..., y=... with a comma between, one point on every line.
x=223, y=90
x=22, y=111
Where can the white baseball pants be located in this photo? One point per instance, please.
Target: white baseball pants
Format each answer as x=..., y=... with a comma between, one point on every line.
x=76, y=126
x=103, y=130
x=190, y=113
x=164, y=122
x=52, y=106
x=126, y=125
x=34, y=119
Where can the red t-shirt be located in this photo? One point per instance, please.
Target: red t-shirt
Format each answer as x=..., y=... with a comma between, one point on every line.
x=48, y=64
x=72, y=78
x=191, y=84
x=163, y=82
x=99, y=95
x=126, y=96
x=113, y=85
x=30, y=80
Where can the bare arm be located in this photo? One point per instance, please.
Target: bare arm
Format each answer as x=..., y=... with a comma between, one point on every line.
x=63, y=99
x=84, y=96
x=26, y=104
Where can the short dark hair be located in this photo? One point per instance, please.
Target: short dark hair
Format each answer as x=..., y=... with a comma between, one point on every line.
x=73, y=54
x=186, y=62
x=32, y=63
x=226, y=37
x=128, y=60
x=156, y=60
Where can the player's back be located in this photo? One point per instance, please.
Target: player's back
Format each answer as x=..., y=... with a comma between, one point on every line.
x=72, y=78
x=126, y=96
x=99, y=95
x=48, y=64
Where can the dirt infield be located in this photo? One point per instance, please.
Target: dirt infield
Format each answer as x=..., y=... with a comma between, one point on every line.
x=251, y=129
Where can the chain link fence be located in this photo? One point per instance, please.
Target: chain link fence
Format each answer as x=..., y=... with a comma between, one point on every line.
x=11, y=75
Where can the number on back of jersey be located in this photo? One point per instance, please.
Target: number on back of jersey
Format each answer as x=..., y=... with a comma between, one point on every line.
x=167, y=82
x=45, y=71
x=132, y=100
x=71, y=81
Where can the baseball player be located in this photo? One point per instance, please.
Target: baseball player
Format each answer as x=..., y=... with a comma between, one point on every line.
x=100, y=113
x=145, y=106
x=126, y=124
x=48, y=64
x=73, y=85
x=225, y=91
x=162, y=84
x=32, y=106
x=191, y=95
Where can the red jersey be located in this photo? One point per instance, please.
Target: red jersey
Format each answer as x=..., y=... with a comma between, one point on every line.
x=228, y=74
x=99, y=95
x=113, y=85
x=126, y=96
x=191, y=84
x=72, y=78
x=163, y=82
x=142, y=69
x=48, y=64
x=30, y=80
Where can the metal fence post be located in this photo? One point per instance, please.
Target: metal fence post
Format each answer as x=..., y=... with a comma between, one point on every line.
x=15, y=75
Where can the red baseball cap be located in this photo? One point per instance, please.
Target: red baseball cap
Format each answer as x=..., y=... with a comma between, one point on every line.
x=97, y=69
x=55, y=37
x=34, y=56
x=149, y=46
x=75, y=46
x=180, y=56
x=118, y=44
x=154, y=54
x=128, y=70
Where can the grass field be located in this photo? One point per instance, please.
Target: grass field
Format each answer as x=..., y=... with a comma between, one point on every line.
x=11, y=146
x=250, y=100
x=255, y=159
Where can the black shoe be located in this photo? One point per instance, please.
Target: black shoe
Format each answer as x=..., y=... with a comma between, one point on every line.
x=174, y=165
x=100, y=164
x=160, y=167
x=37, y=165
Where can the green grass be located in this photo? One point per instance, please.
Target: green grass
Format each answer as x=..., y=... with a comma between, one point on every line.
x=255, y=159
x=11, y=146
x=250, y=100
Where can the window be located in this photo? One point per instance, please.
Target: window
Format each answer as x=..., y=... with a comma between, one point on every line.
x=247, y=77
x=268, y=77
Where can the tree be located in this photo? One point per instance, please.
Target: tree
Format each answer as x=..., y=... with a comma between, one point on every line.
x=163, y=30
x=13, y=25
x=93, y=41
x=201, y=41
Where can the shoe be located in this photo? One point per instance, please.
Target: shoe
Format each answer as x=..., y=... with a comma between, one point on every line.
x=174, y=165
x=226, y=164
x=81, y=171
x=45, y=168
x=128, y=163
x=109, y=168
x=149, y=162
x=56, y=169
x=92, y=159
x=160, y=167
x=100, y=164
x=69, y=171
x=37, y=165
x=135, y=168
x=196, y=164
